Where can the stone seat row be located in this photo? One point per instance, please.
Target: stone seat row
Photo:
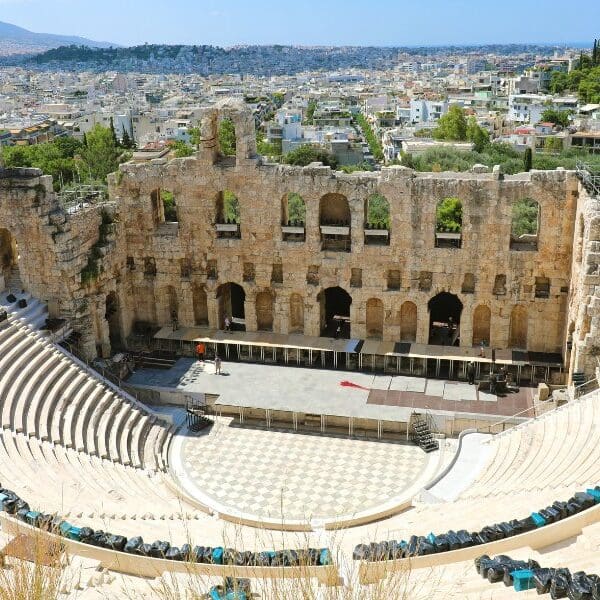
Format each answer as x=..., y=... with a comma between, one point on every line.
x=558, y=449
x=46, y=394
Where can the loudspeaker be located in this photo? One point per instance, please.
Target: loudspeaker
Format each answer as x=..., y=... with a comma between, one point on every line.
x=22, y=303
x=11, y=298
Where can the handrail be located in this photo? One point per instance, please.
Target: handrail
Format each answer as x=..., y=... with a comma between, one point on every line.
x=577, y=388
x=489, y=427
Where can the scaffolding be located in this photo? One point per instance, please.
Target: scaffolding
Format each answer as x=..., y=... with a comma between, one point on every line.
x=82, y=196
x=590, y=178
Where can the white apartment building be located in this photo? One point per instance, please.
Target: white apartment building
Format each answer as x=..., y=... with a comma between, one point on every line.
x=423, y=111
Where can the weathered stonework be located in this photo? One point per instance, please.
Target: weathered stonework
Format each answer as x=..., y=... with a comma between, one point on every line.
x=155, y=269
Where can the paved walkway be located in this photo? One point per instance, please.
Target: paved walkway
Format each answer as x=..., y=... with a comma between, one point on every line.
x=279, y=474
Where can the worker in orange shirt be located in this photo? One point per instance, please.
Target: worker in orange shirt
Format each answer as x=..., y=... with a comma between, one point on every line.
x=200, y=351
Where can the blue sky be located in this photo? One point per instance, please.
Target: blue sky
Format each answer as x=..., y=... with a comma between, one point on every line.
x=311, y=22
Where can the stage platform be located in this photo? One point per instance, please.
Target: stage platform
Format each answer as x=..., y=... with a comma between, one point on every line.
x=360, y=355
x=276, y=394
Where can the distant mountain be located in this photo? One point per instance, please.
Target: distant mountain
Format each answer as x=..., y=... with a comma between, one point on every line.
x=16, y=40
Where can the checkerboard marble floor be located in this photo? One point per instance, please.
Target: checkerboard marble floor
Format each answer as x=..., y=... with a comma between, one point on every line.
x=280, y=474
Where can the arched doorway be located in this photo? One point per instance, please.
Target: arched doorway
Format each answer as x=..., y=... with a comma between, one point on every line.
x=231, y=298
x=408, y=322
x=335, y=312
x=264, y=311
x=9, y=259
x=444, y=319
x=114, y=326
x=518, y=328
x=374, y=318
x=482, y=317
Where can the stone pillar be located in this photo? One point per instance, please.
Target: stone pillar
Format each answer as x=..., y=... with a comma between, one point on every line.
x=391, y=323
x=212, y=304
x=466, y=326
x=358, y=319
x=209, y=146
x=312, y=316
x=422, y=323
x=186, y=305
x=281, y=309
x=250, y=312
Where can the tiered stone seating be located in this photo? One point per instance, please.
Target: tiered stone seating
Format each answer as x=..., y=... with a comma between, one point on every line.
x=557, y=450
x=48, y=395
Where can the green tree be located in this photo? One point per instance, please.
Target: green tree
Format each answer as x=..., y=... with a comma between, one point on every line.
x=449, y=216
x=452, y=125
x=310, y=112
x=113, y=133
x=231, y=207
x=170, y=209
x=126, y=141
x=268, y=148
x=558, y=117
x=226, y=136
x=378, y=213
x=101, y=156
x=370, y=137
x=306, y=154
x=181, y=149
x=296, y=208
x=477, y=135
x=194, y=136
x=527, y=159
x=525, y=214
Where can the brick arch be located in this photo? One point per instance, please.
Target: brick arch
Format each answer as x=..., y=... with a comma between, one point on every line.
x=264, y=311
x=518, y=327
x=482, y=316
x=374, y=318
x=408, y=321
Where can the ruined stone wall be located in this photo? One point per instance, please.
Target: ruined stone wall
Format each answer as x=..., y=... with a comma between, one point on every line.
x=152, y=269
x=582, y=346
x=307, y=270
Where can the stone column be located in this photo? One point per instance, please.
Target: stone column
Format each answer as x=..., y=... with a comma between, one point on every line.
x=422, y=322
x=466, y=326
x=312, y=316
x=186, y=305
x=358, y=319
x=212, y=304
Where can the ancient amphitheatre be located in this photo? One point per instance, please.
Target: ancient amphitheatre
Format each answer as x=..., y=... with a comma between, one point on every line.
x=115, y=275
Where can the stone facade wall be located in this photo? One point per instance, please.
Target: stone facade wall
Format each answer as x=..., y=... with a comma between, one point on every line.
x=153, y=269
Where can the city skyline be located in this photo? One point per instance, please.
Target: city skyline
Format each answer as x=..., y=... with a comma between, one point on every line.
x=462, y=22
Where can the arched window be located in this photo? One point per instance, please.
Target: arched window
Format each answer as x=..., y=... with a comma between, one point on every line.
x=448, y=223
x=374, y=318
x=293, y=218
x=482, y=317
x=377, y=220
x=226, y=137
x=164, y=207
x=231, y=299
x=518, y=328
x=525, y=225
x=296, y=324
x=264, y=311
x=335, y=223
x=227, y=218
x=408, y=322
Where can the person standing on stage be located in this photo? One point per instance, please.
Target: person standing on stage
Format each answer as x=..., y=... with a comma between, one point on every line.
x=200, y=351
x=227, y=323
x=471, y=373
x=217, y=365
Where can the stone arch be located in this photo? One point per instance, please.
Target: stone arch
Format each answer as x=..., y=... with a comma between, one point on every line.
x=200, y=304
x=444, y=319
x=227, y=207
x=231, y=299
x=335, y=222
x=408, y=321
x=296, y=318
x=9, y=257
x=293, y=209
x=518, y=328
x=264, y=311
x=335, y=302
x=525, y=224
x=482, y=318
x=112, y=316
x=377, y=220
x=449, y=223
x=245, y=131
x=374, y=318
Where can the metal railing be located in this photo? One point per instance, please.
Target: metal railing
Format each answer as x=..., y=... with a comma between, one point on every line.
x=82, y=196
x=590, y=180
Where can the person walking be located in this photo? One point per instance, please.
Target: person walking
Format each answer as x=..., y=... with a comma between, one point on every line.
x=217, y=365
x=201, y=351
x=493, y=382
x=471, y=373
x=227, y=323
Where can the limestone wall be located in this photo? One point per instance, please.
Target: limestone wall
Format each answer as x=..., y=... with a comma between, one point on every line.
x=149, y=270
